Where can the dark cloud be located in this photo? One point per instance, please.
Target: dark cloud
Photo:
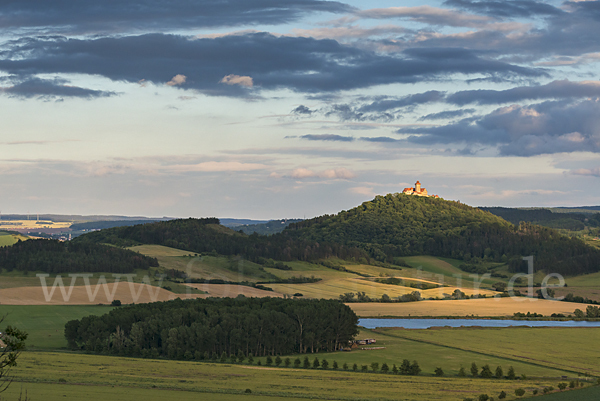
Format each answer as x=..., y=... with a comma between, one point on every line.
x=267, y=61
x=506, y=8
x=405, y=101
x=379, y=139
x=327, y=137
x=442, y=115
x=110, y=16
x=46, y=88
x=545, y=128
x=557, y=89
x=302, y=110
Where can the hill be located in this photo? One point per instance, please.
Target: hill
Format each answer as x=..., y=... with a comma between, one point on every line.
x=268, y=228
x=552, y=218
x=385, y=229
x=398, y=225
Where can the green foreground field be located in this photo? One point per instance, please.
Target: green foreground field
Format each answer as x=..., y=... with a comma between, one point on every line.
x=53, y=376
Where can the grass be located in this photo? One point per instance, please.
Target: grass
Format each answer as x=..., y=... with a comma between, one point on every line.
x=8, y=239
x=52, y=376
x=567, y=349
x=586, y=394
x=45, y=324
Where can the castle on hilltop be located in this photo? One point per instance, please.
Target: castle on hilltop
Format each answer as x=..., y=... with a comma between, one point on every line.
x=418, y=191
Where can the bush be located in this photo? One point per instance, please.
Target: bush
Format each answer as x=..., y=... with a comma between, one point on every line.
x=364, y=368
x=269, y=361
x=385, y=368
x=483, y=397
x=499, y=372
x=562, y=386
x=486, y=372
x=511, y=374
x=415, y=369
x=461, y=372
x=502, y=395
x=519, y=392
x=374, y=366
x=250, y=359
x=324, y=364
x=535, y=391
x=297, y=362
x=335, y=365
x=278, y=361
x=248, y=391
x=306, y=363
x=316, y=363
x=287, y=362
x=439, y=372
x=355, y=367
x=115, y=302
x=345, y=366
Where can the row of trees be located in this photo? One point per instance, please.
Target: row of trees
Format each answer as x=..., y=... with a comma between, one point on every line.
x=189, y=329
x=52, y=256
x=519, y=392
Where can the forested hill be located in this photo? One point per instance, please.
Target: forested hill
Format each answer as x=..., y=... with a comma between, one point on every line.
x=398, y=225
x=207, y=235
x=386, y=228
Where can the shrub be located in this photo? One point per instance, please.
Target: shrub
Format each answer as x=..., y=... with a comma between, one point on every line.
x=439, y=372
x=115, y=302
x=335, y=365
x=519, y=392
x=324, y=364
x=483, y=397
x=250, y=359
x=499, y=372
x=355, y=367
x=486, y=372
x=364, y=368
x=374, y=366
x=461, y=372
x=278, y=361
x=502, y=395
x=248, y=391
x=297, y=362
x=306, y=363
x=269, y=361
x=287, y=362
x=316, y=363
x=562, y=386
x=385, y=368
x=535, y=391
x=395, y=369
x=474, y=370
x=511, y=374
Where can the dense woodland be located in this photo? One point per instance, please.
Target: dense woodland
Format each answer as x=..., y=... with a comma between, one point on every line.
x=547, y=218
x=201, y=328
x=206, y=235
x=53, y=256
x=384, y=229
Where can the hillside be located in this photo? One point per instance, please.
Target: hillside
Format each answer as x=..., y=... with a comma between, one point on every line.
x=385, y=229
x=558, y=219
x=398, y=225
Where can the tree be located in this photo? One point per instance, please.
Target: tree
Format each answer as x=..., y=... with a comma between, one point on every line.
x=385, y=368
x=579, y=314
x=562, y=386
x=483, y=397
x=345, y=366
x=250, y=359
x=364, y=368
x=240, y=356
x=415, y=369
x=324, y=364
x=474, y=370
x=486, y=372
x=355, y=367
x=316, y=363
x=115, y=302
x=14, y=341
x=511, y=373
x=502, y=395
x=269, y=361
x=519, y=392
x=335, y=365
x=405, y=367
x=374, y=366
x=278, y=361
x=306, y=363
x=499, y=372
x=224, y=357
x=395, y=369
x=439, y=372
x=461, y=372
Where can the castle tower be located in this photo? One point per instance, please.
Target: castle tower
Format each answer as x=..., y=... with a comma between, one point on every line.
x=418, y=187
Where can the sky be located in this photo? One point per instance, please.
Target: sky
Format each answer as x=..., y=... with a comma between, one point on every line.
x=271, y=109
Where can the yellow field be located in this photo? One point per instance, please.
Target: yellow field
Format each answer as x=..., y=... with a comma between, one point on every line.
x=79, y=295
x=466, y=307
x=159, y=250
x=32, y=224
x=231, y=291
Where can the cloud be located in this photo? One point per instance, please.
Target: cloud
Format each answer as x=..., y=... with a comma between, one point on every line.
x=332, y=174
x=594, y=172
x=178, y=79
x=214, y=166
x=556, y=89
x=545, y=128
x=327, y=137
x=506, y=8
x=51, y=89
x=274, y=62
x=233, y=79
x=427, y=14
x=302, y=110
x=379, y=139
x=99, y=16
x=443, y=115
x=367, y=191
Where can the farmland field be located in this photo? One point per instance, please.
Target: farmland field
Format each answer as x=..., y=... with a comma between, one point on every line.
x=45, y=324
x=7, y=239
x=53, y=376
x=466, y=307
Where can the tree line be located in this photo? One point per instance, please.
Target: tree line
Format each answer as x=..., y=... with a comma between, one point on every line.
x=52, y=256
x=189, y=329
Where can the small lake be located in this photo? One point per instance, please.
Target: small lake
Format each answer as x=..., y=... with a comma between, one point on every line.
x=428, y=323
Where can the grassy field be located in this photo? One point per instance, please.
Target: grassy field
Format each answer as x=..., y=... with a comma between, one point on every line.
x=540, y=347
x=45, y=324
x=8, y=239
x=52, y=376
